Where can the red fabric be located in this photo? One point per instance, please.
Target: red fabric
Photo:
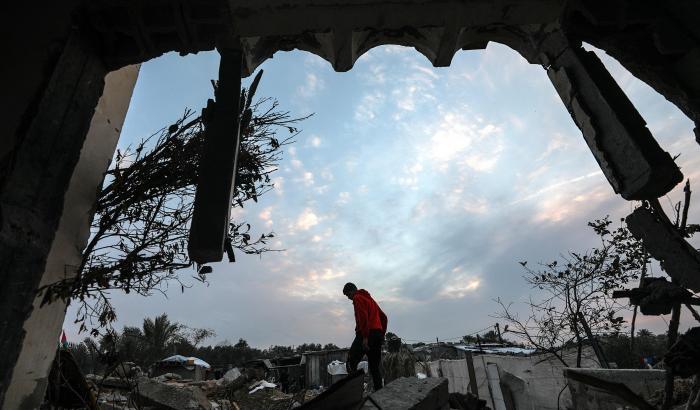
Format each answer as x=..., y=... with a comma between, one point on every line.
x=368, y=314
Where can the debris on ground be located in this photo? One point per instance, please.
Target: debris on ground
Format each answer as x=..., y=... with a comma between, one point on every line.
x=262, y=384
x=681, y=392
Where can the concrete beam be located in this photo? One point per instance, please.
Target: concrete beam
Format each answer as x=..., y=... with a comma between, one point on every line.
x=43, y=327
x=663, y=241
x=217, y=167
x=337, y=31
x=633, y=162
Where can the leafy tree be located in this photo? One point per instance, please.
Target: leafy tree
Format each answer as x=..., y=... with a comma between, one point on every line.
x=469, y=339
x=489, y=337
x=647, y=345
x=309, y=347
x=159, y=333
x=140, y=230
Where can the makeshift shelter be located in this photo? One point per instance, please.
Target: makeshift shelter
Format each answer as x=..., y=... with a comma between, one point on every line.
x=191, y=368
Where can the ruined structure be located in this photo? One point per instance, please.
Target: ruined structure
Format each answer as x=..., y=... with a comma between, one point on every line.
x=55, y=150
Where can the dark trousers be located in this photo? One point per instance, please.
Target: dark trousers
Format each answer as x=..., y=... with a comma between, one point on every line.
x=374, y=355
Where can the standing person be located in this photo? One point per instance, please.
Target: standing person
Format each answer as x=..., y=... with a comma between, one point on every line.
x=370, y=327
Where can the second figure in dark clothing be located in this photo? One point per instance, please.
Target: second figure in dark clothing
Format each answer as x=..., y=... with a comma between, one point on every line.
x=370, y=327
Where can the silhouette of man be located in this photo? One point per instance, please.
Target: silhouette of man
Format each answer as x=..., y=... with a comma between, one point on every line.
x=370, y=327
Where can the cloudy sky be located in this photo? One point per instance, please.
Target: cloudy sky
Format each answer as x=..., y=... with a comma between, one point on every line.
x=423, y=185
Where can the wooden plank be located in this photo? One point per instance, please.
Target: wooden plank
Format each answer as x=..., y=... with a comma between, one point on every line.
x=472, y=374
x=494, y=382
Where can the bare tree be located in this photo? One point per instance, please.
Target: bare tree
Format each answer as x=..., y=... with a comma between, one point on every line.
x=139, y=234
x=576, y=289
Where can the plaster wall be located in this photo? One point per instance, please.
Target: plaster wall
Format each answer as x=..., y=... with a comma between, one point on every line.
x=541, y=378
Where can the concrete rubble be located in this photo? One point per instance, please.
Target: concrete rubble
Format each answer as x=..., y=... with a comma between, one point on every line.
x=233, y=391
x=167, y=396
x=643, y=383
x=411, y=393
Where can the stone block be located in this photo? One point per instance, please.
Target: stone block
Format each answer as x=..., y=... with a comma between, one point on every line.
x=410, y=393
x=165, y=396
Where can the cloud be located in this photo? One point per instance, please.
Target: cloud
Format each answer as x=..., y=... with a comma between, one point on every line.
x=563, y=205
x=307, y=178
x=311, y=87
x=343, y=198
x=315, y=141
x=369, y=106
x=306, y=220
x=460, y=287
x=316, y=284
x=410, y=175
x=279, y=185
x=556, y=186
x=326, y=174
x=266, y=216
x=556, y=143
x=465, y=143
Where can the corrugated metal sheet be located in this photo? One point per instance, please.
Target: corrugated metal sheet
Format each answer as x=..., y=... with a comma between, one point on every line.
x=317, y=364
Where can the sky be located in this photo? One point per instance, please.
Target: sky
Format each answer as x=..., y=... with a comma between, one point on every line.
x=426, y=186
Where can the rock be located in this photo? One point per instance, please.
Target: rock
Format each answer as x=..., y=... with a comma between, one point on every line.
x=170, y=397
x=125, y=369
x=115, y=382
x=232, y=375
x=222, y=404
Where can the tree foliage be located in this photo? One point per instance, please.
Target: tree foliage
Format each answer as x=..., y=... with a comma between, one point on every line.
x=160, y=337
x=139, y=234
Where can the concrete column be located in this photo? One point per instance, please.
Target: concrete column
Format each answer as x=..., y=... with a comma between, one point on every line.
x=49, y=187
x=43, y=327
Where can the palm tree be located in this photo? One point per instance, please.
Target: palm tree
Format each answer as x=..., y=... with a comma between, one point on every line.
x=159, y=334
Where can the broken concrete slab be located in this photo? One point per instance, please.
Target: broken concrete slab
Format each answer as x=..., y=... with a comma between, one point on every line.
x=663, y=241
x=232, y=375
x=643, y=383
x=410, y=393
x=165, y=396
x=631, y=159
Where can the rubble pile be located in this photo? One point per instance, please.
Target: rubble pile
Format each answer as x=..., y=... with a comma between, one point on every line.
x=236, y=390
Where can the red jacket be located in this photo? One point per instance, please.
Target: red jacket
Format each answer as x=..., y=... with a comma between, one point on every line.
x=368, y=314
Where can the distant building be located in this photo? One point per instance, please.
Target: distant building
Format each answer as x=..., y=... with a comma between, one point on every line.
x=447, y=351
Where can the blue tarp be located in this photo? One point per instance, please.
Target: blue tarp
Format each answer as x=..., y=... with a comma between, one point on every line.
x=182, y=359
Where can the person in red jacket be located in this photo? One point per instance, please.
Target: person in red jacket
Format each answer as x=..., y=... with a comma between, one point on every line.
x=370, y=327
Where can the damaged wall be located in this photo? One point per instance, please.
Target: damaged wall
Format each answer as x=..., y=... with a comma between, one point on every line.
x=51, y=105
x=536, y=379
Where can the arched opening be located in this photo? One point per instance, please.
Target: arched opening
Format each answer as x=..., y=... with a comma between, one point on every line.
x=341, y=45
x=427, y=183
